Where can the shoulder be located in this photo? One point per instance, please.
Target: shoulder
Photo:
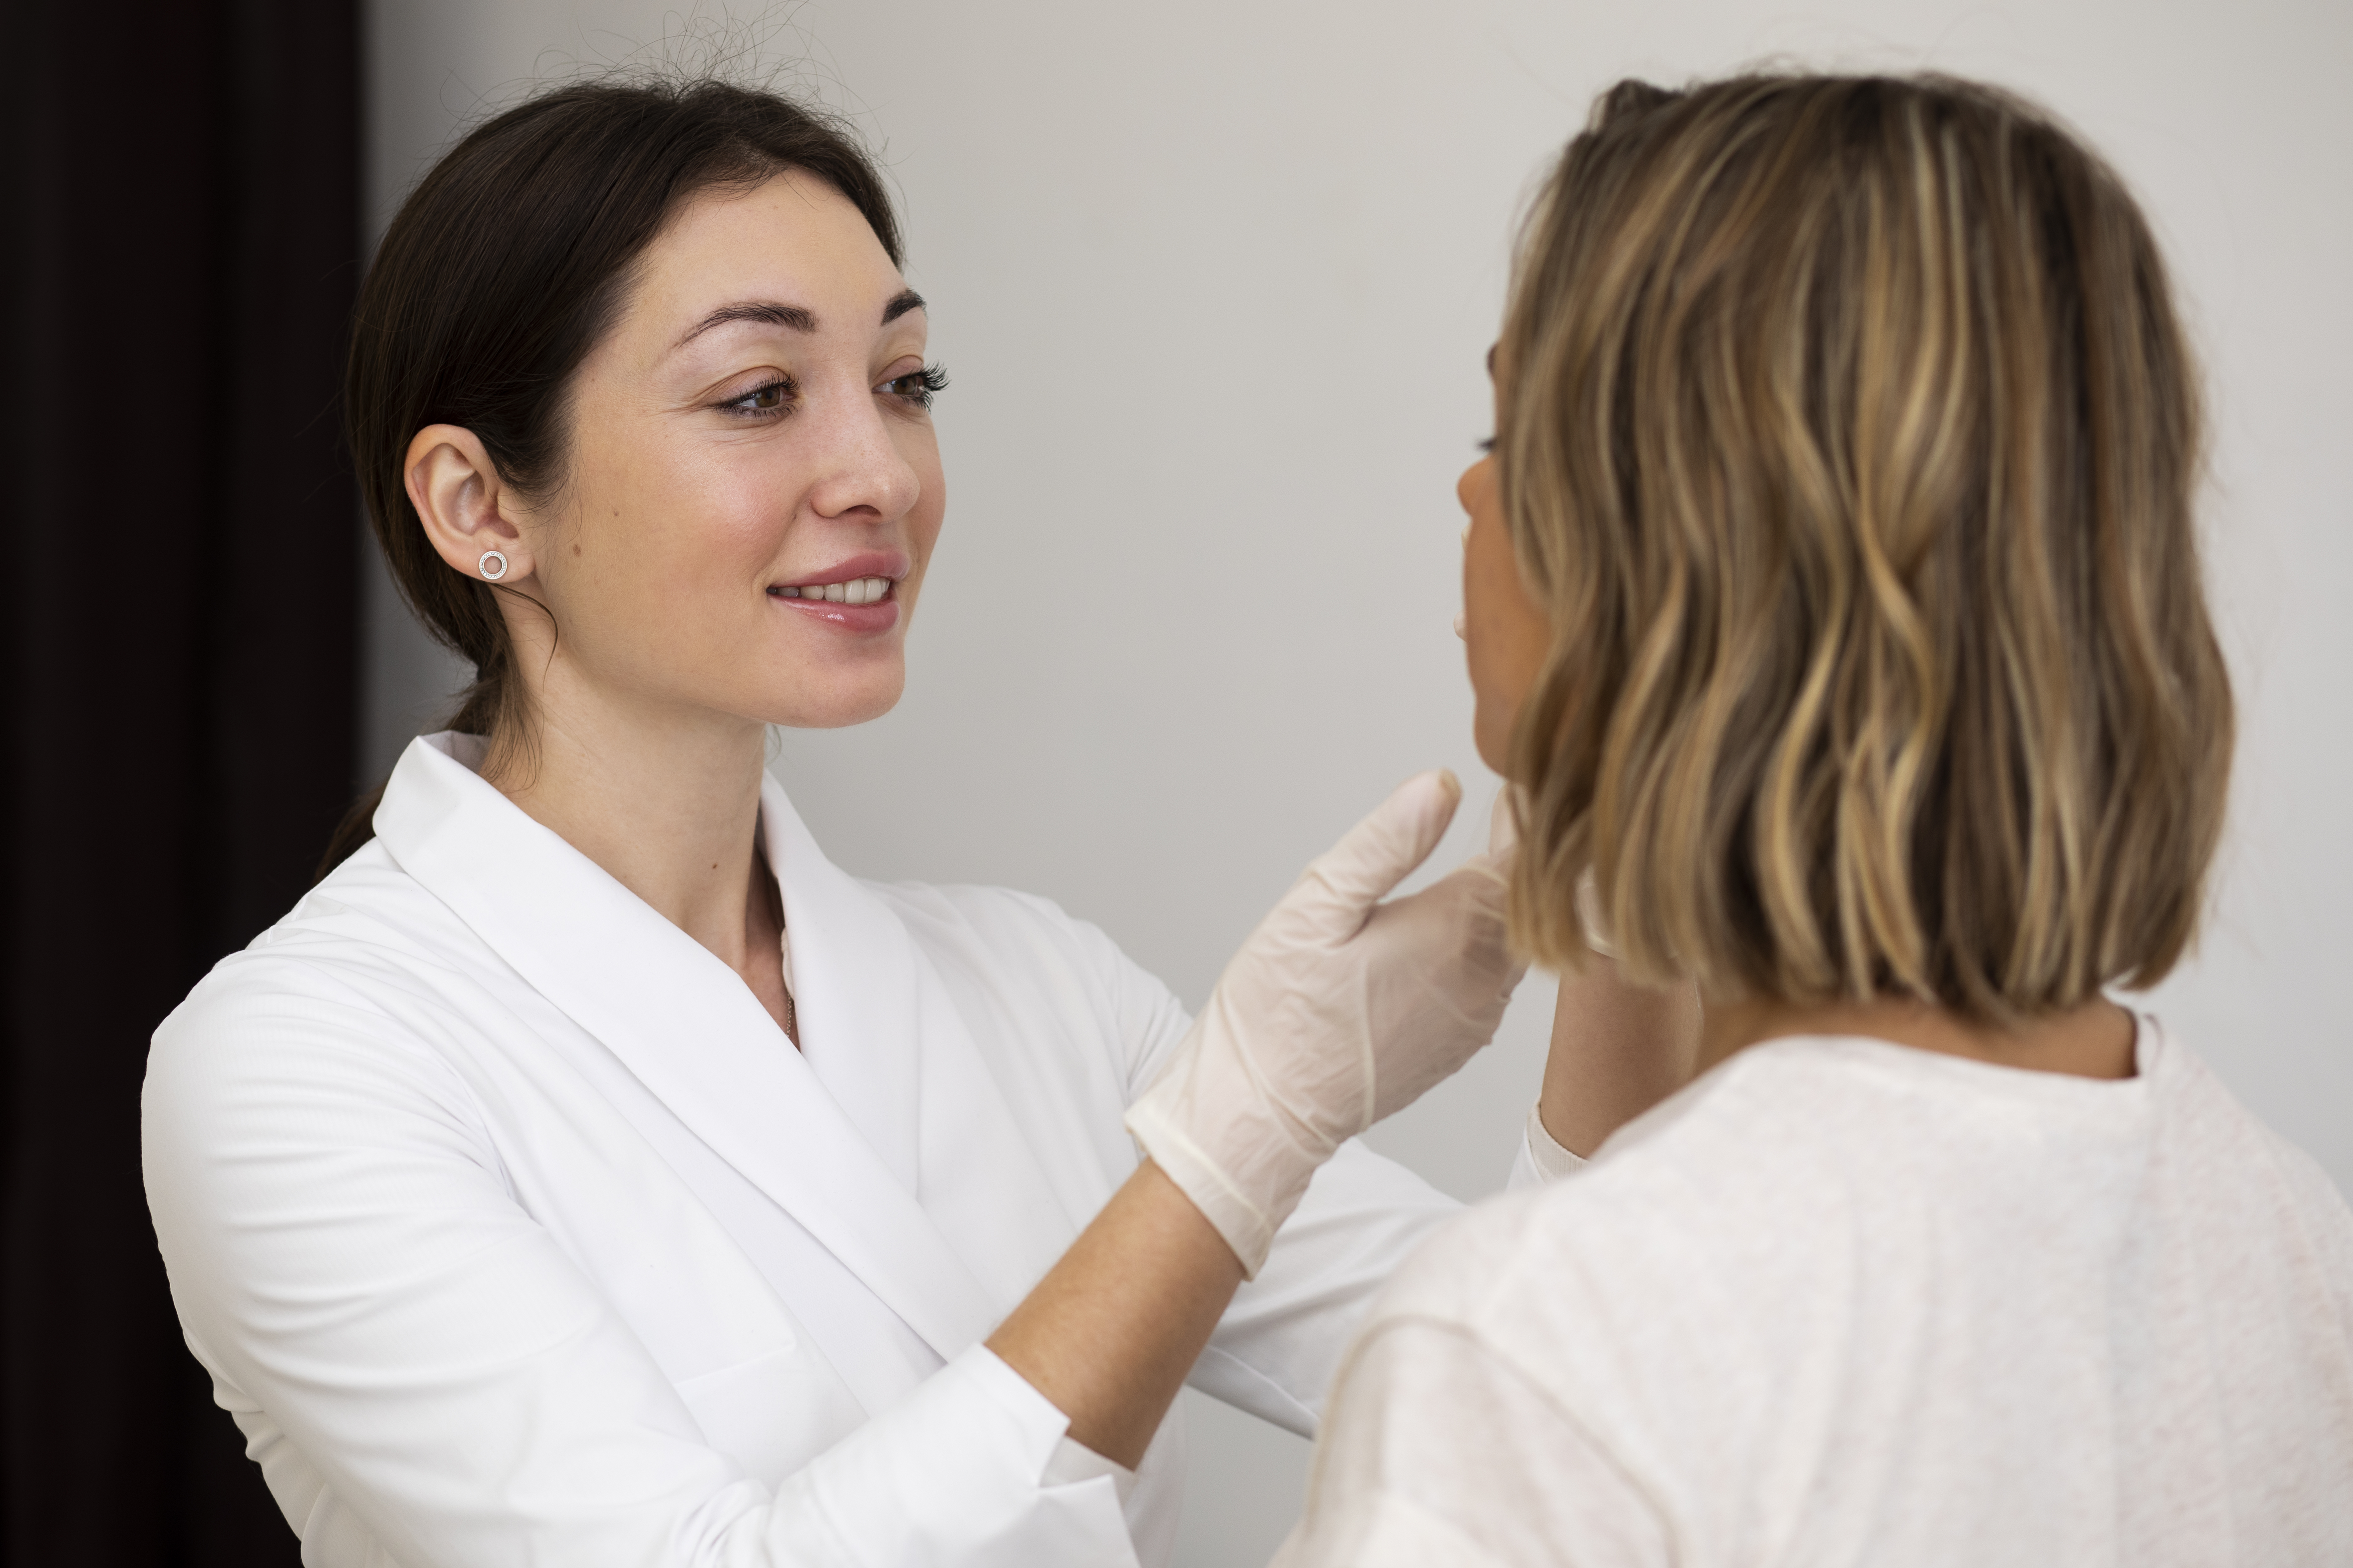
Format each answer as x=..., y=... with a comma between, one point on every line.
x=2202, y=1118
x=367, y=918
x=345, y=995
x=2240, y=1179
x=1642, y=1241
x=1022, y=956
x=1707, y=1252
x=1008, y=940
x=367, y=937
x=1517, y=1355
x=998, y=921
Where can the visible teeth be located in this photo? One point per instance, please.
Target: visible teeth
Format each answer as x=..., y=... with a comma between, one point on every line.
x=857, y=590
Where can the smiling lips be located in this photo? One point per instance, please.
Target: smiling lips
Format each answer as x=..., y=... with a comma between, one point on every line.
x=860, y=595
x=857, y=590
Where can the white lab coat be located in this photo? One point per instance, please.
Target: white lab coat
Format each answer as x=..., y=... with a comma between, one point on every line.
x=513, y=1230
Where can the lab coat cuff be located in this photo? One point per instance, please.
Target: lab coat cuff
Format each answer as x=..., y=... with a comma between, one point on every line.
x=970, y=1470
x=1074, y=1462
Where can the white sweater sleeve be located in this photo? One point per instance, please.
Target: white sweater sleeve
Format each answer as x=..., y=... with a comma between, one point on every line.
x=428, y=1378
x=1438, y=1450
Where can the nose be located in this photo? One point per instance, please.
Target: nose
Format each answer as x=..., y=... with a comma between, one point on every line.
x=863, y=474
x=1474, y=480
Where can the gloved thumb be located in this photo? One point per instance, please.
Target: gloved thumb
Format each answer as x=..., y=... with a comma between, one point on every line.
x=1380, y=851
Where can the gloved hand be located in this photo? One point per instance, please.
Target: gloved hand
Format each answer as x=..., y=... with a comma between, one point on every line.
x=1338, y=1011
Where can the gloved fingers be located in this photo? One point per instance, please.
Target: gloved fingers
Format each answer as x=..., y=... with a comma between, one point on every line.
x=1456, y=927
x=1503, y=824
x=1380, y=851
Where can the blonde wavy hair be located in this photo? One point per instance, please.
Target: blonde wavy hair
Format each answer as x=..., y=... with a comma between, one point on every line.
x=1848, y=439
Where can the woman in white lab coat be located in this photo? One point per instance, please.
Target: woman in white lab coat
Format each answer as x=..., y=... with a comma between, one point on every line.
x=496, y=1197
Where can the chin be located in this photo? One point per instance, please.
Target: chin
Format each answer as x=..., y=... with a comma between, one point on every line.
x=1494, y=742
x=854, y=701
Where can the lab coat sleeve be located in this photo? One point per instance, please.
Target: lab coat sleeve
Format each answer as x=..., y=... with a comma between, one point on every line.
x=347, y=1256
x=1275, y=1350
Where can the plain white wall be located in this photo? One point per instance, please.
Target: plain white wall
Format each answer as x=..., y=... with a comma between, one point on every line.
x=1214, y=282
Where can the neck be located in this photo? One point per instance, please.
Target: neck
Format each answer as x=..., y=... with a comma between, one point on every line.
x=2095, y=1040
x=666, y=801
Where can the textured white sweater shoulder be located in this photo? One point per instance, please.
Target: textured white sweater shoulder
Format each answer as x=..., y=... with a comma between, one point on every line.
x=1845, y=1302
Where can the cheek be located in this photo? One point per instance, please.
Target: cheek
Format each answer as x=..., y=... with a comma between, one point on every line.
x=1507, y=637
x=699, y=524
x=931, y=507
x=660, y=562
x=925, y=518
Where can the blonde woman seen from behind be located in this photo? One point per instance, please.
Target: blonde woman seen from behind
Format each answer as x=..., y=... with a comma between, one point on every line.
x=1834, y=597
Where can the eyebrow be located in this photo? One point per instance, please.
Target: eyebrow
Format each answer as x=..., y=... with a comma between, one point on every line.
x=794, y=318
x=768, y=312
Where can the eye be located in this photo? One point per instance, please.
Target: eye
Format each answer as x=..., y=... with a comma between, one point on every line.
x=1486, y=445
x=766, y=401
x=917, y=386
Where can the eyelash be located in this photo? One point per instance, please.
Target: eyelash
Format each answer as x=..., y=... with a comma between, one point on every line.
x=741, y=405
x=1486, y=444
x=930, y=382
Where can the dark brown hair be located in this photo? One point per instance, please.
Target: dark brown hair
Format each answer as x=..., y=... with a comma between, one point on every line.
x=1849, y=439
x=502, y=270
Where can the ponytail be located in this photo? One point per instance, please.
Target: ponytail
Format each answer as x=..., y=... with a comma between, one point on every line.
x=484, y=707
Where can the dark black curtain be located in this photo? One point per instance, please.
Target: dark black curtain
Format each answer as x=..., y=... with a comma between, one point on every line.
x=181, y=242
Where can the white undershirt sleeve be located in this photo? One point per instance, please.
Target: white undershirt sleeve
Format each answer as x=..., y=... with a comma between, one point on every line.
x=1540, y=1158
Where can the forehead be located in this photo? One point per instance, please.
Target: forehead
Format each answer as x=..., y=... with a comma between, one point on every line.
x=791, y=237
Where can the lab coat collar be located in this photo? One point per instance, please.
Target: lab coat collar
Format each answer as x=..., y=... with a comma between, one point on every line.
x=854, y=986
x=694, y=1035
x=881, y=1033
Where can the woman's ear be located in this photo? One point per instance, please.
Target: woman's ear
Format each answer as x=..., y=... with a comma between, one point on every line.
x=460, y=498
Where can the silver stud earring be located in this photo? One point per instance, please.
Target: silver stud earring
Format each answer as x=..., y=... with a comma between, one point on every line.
x=492, y=565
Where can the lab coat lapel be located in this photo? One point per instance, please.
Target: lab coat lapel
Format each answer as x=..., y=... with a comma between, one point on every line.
x=880, y=1028
x=685, y=1024
x=984, y=1185
x=854, y=989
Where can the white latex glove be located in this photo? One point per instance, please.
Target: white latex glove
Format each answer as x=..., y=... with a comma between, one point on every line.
x=1338, y=1011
